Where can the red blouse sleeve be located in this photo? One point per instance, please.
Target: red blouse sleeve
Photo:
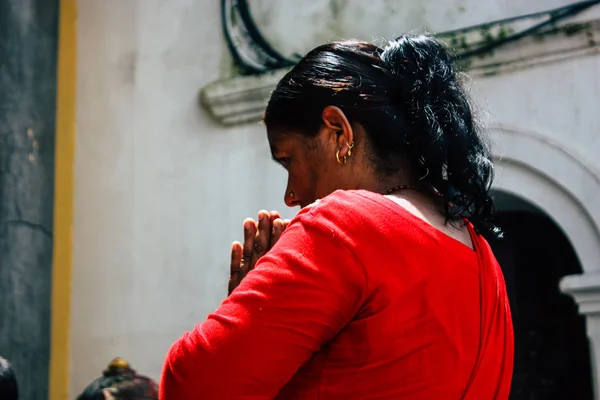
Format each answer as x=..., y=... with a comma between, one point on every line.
x=299, y=296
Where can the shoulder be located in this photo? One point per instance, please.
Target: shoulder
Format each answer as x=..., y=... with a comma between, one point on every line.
x=344, y=201
x=354, y=212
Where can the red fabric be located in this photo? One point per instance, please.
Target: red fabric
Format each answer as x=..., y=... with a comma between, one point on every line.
x=358, y=300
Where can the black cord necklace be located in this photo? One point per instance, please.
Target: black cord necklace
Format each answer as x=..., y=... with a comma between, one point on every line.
x=409, y=187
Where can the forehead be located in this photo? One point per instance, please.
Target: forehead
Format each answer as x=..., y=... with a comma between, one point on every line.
x=280, y=139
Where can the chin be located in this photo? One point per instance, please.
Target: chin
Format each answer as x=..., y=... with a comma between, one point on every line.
x=303, y=204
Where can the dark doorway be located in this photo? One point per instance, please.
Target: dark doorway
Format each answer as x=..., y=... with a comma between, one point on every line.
x=552, y=359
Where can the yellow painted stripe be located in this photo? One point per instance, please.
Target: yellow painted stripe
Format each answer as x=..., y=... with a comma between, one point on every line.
x=63, y=201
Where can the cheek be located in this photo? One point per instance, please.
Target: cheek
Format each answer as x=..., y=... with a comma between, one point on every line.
x=299, y=180
x=311, y=177
x=312, y=182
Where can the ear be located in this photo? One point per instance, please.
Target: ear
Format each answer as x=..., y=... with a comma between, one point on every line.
x=339, y=129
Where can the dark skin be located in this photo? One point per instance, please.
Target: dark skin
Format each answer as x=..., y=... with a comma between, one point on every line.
x=314, y=172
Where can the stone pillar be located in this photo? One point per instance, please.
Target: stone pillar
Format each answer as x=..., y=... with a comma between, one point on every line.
x=28, y=49
x=585, y=289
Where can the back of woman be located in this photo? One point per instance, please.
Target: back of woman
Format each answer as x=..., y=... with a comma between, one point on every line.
x=381, y=287
x=418, y=333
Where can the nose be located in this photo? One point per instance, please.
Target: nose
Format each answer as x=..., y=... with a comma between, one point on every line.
x=291, y=198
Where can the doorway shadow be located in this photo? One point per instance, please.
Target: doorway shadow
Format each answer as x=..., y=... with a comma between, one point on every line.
x=552, y=359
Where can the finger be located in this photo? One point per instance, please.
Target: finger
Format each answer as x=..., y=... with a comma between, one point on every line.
x=286, y=222
x=274, y=215
x=262, y=242
x=277, y=230
x=235, y=275
x=248, y=247
x=236, y=257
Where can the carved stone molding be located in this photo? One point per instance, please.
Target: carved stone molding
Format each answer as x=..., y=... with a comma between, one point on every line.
x=585, y=289
x=241, y=99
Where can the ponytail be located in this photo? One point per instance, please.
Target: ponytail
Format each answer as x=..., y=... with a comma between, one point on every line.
x=443, y=138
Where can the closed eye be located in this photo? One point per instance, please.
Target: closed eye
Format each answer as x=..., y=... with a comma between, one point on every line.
x=283, y=161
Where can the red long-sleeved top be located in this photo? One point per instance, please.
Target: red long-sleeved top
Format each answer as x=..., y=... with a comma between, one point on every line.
x=359, y=299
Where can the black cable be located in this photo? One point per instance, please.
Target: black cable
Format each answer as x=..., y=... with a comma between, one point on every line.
x=230, y=45
x=258, y=37
x=517, y=18
x=262, y=56
x=555, y=16
x=274, y=59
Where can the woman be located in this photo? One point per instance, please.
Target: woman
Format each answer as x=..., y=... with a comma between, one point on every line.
x=384, y=288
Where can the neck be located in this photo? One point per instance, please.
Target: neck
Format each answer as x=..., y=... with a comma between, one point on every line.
x=379, y=185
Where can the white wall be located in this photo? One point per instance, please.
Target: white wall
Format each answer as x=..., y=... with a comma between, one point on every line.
x=559, y=101
x=161, y=190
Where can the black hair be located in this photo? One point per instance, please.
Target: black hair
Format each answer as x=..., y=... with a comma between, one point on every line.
x=409, y=99
x=8, y=382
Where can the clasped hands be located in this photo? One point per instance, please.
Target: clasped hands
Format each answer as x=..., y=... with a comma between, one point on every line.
x=259, y=237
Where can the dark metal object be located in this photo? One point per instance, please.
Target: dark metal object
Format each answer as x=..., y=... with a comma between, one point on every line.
x=120, y=382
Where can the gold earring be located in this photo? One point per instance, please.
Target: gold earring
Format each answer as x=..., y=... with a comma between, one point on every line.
x=337, y=157
x=350, y=147
x=344, y=159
